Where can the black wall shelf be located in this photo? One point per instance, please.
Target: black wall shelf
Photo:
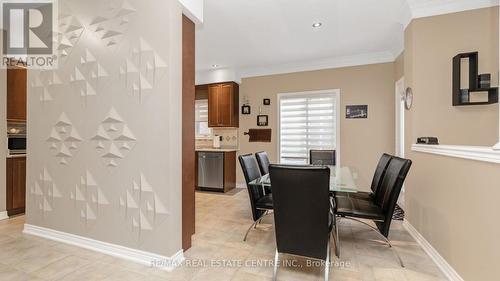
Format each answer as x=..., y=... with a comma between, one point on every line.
x=461, y=97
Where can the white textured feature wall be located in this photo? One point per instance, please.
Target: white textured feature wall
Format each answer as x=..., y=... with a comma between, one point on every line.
x=104, y=128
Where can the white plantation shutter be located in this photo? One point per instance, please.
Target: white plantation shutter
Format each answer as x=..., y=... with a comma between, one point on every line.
x=306, y=122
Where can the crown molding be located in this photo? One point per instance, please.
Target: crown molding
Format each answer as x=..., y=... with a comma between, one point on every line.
x=319, y=64
x=411, y=9
x=193, y=9
x=427, y=8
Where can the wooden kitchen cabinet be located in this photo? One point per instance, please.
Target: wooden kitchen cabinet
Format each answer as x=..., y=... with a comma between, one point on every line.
x=16, y=94
x=16, y=185
x=223, y=105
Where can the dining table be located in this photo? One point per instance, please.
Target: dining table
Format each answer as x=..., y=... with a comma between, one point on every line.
x=341, y=180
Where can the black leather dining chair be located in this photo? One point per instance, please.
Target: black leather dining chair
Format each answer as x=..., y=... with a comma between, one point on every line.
x=381, y=208
x=260, y=202
x=302, y=214
x=263, y=161
x=382, y=165
x=322, y=157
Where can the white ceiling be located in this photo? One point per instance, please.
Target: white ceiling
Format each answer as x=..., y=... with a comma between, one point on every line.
x=258, y=37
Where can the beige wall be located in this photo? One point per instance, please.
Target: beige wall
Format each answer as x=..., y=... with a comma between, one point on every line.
x=362, y=141
x=436, y=40
x=453, y=202
x=399, y=67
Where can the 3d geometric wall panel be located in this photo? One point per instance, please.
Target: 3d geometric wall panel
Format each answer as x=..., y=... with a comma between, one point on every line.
x=44, y=191
x=87, y=75
x=142, y=207
x=113, y=140
x=64, y=139
x=142, y=70
x=70, y=30
x=111, y=26
x=44, y=83
x=88, y=198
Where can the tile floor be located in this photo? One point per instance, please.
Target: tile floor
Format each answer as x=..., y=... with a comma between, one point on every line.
x=221, y=224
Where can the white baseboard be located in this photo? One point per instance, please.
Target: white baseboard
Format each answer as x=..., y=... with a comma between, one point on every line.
x=443, y=265
x=3, y=216
x=241, y=185
x=138, y=256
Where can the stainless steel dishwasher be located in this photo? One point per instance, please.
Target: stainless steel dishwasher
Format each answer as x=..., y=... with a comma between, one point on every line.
x=211, y=171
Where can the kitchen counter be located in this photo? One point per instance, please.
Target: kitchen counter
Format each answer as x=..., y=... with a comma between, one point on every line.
x=16, y=156
x=217, y=149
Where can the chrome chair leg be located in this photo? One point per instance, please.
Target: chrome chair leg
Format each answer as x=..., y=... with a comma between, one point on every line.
x=276, y=265
x=248, y=231
x=254, y=225
x=337, y=237
x=386, y=240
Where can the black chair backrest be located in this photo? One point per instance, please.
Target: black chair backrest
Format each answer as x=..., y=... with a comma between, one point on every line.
x=382, y=165
x=301, y=209
x=390, y=189
x=322, y=157
x=251, y=172
x=263, y=161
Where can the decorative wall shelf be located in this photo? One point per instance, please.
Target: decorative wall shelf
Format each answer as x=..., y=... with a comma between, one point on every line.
x=461, y=97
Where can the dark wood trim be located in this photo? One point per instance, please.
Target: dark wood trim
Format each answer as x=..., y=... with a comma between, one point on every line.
x=188, y=132
x=229, y=171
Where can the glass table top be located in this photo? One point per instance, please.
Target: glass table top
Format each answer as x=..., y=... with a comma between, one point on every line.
x=341, y=180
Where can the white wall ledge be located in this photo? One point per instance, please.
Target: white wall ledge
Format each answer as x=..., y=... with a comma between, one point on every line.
x=478, y=153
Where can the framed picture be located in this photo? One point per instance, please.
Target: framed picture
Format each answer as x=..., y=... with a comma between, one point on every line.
x=267, y=102
x=246, y=110
x=356, y=112
x=262, y=120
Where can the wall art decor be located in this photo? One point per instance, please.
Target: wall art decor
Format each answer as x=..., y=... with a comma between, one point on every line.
x=263, y=120
x=356, y=112
x=246, y=110
x=267, y=102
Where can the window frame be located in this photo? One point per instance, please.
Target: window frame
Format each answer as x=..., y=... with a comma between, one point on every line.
x=338, y=120
x=205, y=136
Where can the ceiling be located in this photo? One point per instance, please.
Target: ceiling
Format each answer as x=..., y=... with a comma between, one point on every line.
x=259, y=37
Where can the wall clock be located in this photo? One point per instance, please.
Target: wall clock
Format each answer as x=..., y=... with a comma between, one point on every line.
x=408, y=98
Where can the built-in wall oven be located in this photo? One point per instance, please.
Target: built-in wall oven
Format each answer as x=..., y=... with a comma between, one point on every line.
x=16, y=135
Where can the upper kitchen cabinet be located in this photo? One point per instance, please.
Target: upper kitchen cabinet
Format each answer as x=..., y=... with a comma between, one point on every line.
x=223, y=105
x=16, y=94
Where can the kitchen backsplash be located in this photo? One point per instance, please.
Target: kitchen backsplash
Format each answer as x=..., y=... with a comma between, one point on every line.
x=229, y=138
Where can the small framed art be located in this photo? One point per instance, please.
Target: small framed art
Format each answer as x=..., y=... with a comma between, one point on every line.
x=262, y=120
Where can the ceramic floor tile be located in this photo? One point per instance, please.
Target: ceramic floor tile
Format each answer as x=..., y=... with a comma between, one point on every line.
x=221, y=223
x=60, y=268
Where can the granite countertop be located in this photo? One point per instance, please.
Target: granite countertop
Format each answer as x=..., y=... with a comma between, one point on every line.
x=217, y=149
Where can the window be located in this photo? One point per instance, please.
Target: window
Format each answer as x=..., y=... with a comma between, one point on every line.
x=201, y=119
x=307, y=121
